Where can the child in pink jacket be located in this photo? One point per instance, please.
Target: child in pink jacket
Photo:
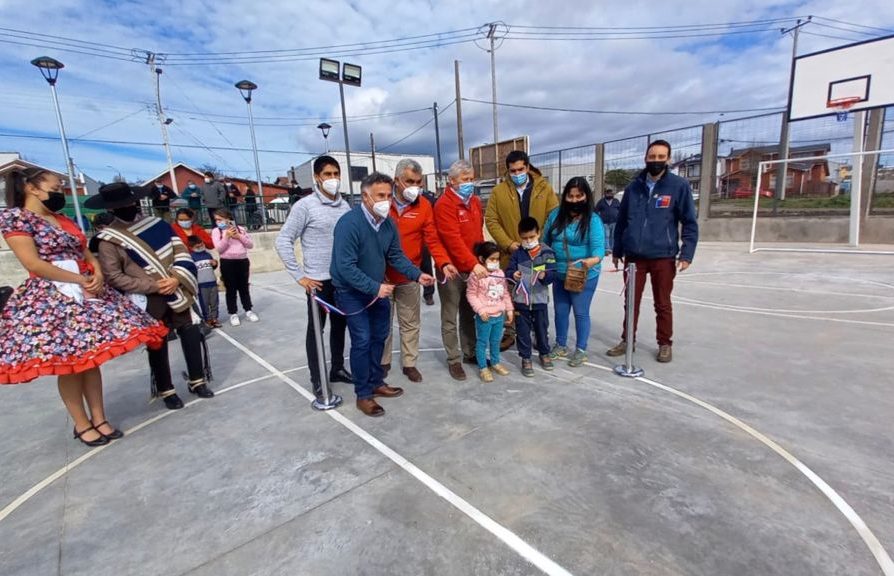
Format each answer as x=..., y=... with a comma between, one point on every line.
x=490, y=299
x=232, y=243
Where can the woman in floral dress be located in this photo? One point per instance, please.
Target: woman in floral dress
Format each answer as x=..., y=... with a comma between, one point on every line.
x=63, y=321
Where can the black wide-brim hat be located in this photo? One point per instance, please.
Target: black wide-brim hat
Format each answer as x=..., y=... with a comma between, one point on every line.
x=116, y=195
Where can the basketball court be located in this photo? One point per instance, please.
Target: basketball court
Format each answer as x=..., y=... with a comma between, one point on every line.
x=764, y=448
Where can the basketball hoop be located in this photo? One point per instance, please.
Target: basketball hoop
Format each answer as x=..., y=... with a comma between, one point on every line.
x=842, y=106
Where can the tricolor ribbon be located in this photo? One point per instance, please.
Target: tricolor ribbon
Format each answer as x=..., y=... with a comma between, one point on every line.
x=331, y=308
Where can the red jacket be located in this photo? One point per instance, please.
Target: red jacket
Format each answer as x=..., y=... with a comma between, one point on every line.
x=196, y=230
x=415, y=227
x=460, y=227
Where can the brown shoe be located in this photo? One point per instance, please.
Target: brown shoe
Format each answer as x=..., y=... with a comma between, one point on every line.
x=370, y=407
x=664, y=353
x=507, y=342
x=456, y=371
x=619, y=350
x=412, y=374
x=386, y=391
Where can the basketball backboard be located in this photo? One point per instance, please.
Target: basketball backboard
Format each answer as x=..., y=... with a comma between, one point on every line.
x=857, y=76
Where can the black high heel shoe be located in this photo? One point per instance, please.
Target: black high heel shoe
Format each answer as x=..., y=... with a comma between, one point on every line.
x=114, y=435
x=101, y=441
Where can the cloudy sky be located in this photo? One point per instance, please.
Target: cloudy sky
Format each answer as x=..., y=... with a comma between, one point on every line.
x=111, y=99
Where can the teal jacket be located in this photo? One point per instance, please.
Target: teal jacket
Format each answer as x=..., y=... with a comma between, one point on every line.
x=577, y=248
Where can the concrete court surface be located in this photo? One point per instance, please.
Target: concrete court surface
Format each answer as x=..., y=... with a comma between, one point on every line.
x=574, y=472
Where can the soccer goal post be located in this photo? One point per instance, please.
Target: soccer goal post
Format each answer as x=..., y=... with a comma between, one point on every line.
x=852, y=159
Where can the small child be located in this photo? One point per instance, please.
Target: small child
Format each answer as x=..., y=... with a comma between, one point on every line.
x=533, y=267
x=208, y=294
x=490, y=299
x=233, y=243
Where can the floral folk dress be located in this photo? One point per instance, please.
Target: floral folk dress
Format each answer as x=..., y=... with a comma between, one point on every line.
x=43, y=332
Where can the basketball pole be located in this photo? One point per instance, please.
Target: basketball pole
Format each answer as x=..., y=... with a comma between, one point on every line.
x=857, y=178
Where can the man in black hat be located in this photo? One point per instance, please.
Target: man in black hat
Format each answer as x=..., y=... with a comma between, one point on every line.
x=143, y=257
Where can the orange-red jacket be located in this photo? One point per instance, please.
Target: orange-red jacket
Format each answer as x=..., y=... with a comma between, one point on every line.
x=416, y=227
x=460, y=227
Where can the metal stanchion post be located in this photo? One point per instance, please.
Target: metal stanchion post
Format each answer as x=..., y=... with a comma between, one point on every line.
x=628, y=370
x=329, y=400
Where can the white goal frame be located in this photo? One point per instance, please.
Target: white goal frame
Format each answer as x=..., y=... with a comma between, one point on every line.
x=856, y=193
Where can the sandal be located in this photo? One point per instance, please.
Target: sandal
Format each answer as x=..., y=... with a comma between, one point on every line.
x=101, y=441
x=114, y=435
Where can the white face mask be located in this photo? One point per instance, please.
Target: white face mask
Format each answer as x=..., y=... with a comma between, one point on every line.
x=530, y=245
x=493, y=266
x=382, y=208
x=411, y=193
x=185, y=223
x=331, y=186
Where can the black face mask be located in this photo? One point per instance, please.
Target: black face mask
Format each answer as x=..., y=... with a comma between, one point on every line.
x=577, y=208
x=127, y=213
x=655, y=168
x=55, y=202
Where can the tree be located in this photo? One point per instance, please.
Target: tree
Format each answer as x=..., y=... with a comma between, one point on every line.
x=618, y=178
x=206, y=167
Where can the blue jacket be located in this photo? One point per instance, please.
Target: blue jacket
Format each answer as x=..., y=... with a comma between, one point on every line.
x=649, y=223
x=544, y=261
x=359, y=253
x=577, y=248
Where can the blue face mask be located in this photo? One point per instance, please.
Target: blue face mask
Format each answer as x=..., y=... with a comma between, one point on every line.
x=520, y=179
x=222, y=225
x=466, y=190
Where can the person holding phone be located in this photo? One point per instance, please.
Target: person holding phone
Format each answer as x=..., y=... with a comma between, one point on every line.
x=232, y=243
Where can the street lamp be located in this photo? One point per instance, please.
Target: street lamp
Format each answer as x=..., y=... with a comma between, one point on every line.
x=50, y=67
x=350, y=74
x=324, y=128
x=246, y=87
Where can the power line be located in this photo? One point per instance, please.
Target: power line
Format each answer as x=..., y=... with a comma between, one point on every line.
x=104, y=126
x=828, y=36
x=316, y=121
x=842, y=29
x=429, y=121
x=606, y=37
x=855, y=25
x=625, y=112
x=674, y=27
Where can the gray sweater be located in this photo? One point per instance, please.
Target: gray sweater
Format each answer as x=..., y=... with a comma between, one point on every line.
x=312, y=221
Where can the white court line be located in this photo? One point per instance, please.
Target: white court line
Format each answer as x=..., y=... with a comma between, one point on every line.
x=34, y=490
x=522, y=548
x=875, y=547
x=779, y=288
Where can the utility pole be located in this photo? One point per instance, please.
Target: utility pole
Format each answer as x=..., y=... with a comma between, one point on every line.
x=162, y=119
x=782, y=170
x=372, y=147
x=491, y=33
x=459, y=112
x=437, y=146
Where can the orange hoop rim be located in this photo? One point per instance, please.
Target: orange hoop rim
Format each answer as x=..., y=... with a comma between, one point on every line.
x=843, y=103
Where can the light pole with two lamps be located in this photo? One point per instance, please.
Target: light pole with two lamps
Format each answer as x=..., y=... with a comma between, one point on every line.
x=334, y=71
x=246, y=87
x=50, y=67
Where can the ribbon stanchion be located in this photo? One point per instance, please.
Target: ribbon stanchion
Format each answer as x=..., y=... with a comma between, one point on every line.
x=329, y=400
x=628, y=370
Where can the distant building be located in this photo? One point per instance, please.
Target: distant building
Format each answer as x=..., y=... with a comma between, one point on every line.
x=361, y=167
x=10, y=161
x=803, y=178
x=185, y=174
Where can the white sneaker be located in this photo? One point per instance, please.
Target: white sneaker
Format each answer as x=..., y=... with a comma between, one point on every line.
x=252, y=317
x=234, y=320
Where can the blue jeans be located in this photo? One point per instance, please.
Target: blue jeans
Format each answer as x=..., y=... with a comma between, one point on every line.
x=368, y=329
x=489, y=334
x=609, y=236
x=526, y=319
x=564, y=302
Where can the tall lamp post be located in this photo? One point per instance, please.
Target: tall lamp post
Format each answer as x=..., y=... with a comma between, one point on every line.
x=334, y=71
x=324, y=128
x=50, y=67
x=246, y=87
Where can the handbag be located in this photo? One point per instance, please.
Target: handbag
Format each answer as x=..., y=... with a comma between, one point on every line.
x=575, y=276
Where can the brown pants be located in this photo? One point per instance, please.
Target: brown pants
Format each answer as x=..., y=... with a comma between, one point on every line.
x=662, y=272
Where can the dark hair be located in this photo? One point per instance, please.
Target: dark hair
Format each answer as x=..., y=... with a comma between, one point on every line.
x=484, y=250
x=223, y=213
x=376, y=178
x=564, y=218
x=103, y=219
x=16, y=181
x=659, y=143
x=517, y=155
x=528, y=224
x=323, y=161
x=192, y=240
x=608, y=191
x=186, y=212
x=208, y=173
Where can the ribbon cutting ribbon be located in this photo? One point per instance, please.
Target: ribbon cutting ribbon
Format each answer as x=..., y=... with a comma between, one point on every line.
x=331, y=308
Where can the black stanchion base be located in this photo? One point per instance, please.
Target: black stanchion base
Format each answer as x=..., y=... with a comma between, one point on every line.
x=334, y=402
x=634, y=372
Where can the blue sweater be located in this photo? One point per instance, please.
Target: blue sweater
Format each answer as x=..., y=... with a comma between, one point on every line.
x=360, y=253
x=578, y=248
x=648, y=223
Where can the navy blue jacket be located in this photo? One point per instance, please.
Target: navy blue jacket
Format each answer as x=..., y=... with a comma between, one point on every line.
x=359, y=253
x=608, y=210
x=649, y=223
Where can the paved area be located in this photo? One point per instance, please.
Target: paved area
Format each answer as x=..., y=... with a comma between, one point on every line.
x=762, y=449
